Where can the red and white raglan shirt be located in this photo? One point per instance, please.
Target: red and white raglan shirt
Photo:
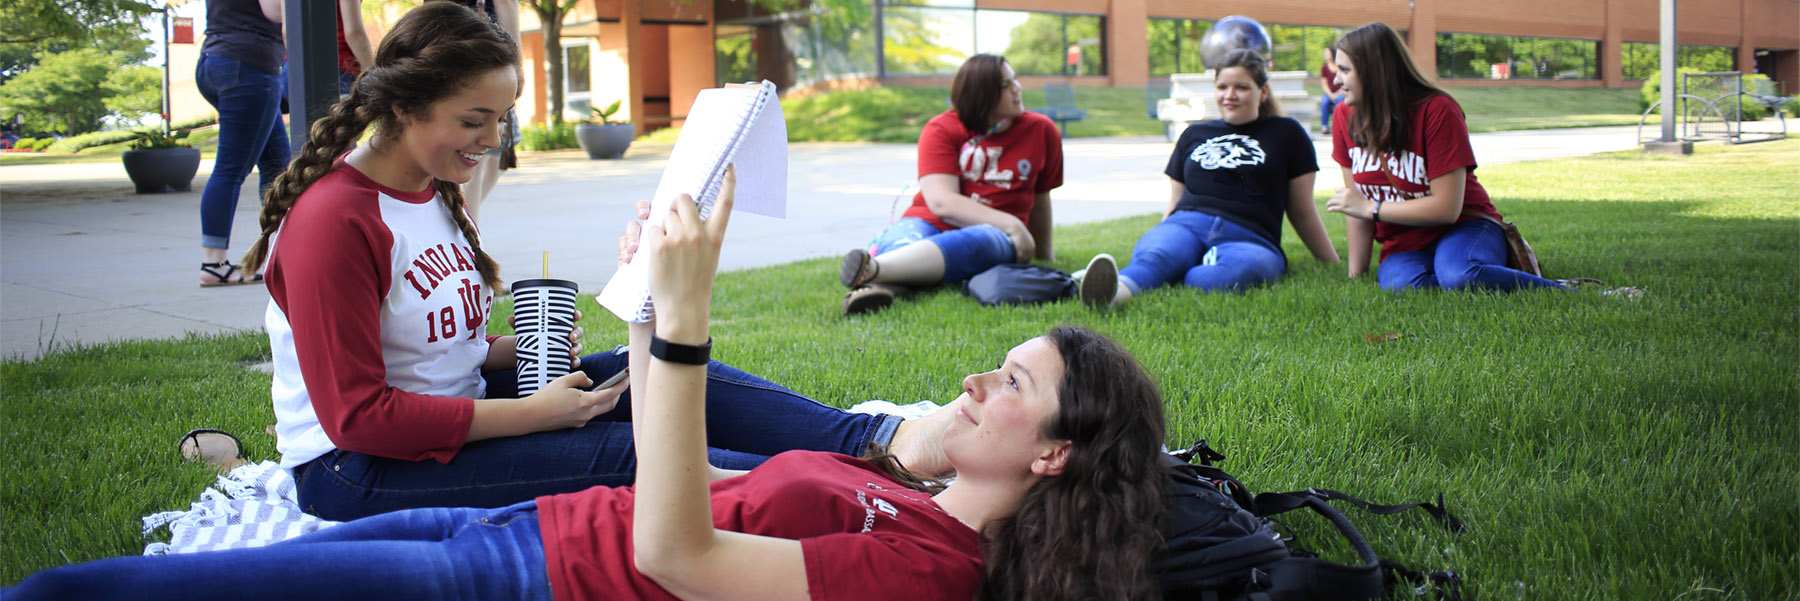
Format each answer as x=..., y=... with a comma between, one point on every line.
x=863, y=536
x=1007, y=169
x=378, y=323
x=1439, y=144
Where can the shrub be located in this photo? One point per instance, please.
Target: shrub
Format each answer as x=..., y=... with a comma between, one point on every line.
x=1652, y=90
x=24, y=143
x=547, y=137
x=75, y=144
x=201, y=121
x=1792, y=108
x=42, y=143
x=1753, y=110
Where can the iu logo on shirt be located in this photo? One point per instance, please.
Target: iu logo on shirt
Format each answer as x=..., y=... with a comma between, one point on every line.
x=435, y=267
x=1229, y=151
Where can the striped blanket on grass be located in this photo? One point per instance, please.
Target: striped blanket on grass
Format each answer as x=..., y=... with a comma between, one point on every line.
x=252, y=506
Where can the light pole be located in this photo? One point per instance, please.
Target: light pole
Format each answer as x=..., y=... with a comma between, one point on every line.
x=1670, y=96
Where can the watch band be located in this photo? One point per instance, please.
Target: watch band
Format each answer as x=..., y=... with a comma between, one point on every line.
x=1376, y=215
x=680, y=353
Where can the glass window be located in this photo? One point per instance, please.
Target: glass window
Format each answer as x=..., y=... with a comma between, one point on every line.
x=1471, y=56
x=735, y=54
x=1175, y=45
x=1638, y=60
x=926, y=41
x=577, y=81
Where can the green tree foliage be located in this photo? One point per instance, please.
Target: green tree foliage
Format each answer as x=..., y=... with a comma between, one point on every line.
x=67, y=93
x=31, y=27
x=1037, y=45
x=912, y=45
x=134, y=91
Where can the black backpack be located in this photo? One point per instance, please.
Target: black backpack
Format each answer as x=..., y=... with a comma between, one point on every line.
x=1220, y=543
x=1019, y=284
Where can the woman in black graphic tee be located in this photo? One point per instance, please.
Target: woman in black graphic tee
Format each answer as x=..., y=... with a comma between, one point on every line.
x=1231, y=181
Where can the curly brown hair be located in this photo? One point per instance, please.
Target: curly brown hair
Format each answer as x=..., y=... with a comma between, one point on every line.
x=434, y=51
x=1090, y=532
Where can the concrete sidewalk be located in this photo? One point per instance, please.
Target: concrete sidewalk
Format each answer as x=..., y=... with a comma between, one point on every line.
x=83, y=259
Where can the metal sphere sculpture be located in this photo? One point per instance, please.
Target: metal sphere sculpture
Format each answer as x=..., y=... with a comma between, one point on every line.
x=1232, y=33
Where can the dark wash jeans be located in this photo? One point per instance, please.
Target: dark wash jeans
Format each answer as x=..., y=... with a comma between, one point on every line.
x=748, y=419
x=423, y=554
x=251, y=134
x=1469, y=256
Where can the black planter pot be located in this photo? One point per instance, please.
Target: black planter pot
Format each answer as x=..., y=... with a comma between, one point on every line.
x=605, y=141
x=160, y=170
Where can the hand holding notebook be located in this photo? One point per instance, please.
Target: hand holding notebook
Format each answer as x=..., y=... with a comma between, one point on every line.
x=740, y=125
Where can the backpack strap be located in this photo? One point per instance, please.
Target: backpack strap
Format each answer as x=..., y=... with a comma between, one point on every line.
x=1268, y=504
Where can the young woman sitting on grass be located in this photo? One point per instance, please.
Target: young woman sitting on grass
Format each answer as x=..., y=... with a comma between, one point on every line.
x=986, y=168
x=387, y=392
x=1409, y=175
x=1058, y=496
x=1231, y=180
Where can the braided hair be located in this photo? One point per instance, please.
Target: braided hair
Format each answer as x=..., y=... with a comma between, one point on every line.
x=433, y=52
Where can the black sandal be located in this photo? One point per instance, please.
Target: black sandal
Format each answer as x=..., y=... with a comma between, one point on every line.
x=216, y=448
x=223, y=270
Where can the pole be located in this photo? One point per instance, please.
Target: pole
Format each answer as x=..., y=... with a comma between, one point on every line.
x=165, y=86
x=1668, y=143
x=1669, y=94
x=312, y=65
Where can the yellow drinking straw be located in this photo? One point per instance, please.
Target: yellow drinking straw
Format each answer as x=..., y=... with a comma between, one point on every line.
x=546, y=265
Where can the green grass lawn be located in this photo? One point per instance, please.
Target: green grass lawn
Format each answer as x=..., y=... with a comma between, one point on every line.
x=1596, y=448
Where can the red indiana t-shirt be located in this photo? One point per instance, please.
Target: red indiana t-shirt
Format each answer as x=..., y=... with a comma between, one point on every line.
x=863, y=535
x=1007, y=169
x=1439, y=145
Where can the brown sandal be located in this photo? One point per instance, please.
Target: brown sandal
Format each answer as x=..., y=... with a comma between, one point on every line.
x=867, y=299
x=216, y=448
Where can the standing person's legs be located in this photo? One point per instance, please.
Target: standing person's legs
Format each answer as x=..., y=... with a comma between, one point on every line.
x=275, y=151
x=249, y=104
x=420, y=554
x=1472, y=255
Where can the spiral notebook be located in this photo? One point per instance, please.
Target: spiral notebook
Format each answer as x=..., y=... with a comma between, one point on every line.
x=736, y=124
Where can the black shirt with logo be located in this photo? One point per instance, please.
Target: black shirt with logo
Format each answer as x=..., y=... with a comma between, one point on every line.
x=1240, y=173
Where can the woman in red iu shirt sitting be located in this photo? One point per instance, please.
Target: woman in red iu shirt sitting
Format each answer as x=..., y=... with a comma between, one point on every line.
x=1058, y=495
x=986, y=168
x=1409, y=175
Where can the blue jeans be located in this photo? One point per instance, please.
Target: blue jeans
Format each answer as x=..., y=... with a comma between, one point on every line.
x=748, y=419
x=1469, y=256
x=1201, y=251
x=251, y=134
x=967, y=251
x=1327, y=102
x=422, y=554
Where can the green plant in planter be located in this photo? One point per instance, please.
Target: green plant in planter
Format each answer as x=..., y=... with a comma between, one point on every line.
x=157, y=140
x=605, y=115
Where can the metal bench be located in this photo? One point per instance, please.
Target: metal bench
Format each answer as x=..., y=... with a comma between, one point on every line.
x=1061, y=99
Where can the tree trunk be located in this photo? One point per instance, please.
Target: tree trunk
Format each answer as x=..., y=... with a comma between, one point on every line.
x=551, y=20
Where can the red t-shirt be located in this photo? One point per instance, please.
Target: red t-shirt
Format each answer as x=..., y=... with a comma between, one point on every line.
x=1007, y=169
x=1325, y=73
x=346, y=59
x=1439, y=145
x=863, y=536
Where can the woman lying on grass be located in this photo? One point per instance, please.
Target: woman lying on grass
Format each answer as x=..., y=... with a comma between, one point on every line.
x=1409, y=175
x=986, y=168
x=1057, y=496
x=387, y=392
x=1231, y=180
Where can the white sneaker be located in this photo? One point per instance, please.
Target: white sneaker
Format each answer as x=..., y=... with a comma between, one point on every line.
x=1100, y=281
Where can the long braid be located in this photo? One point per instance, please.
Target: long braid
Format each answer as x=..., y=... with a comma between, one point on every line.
x=453, y=199
x=331, y=136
